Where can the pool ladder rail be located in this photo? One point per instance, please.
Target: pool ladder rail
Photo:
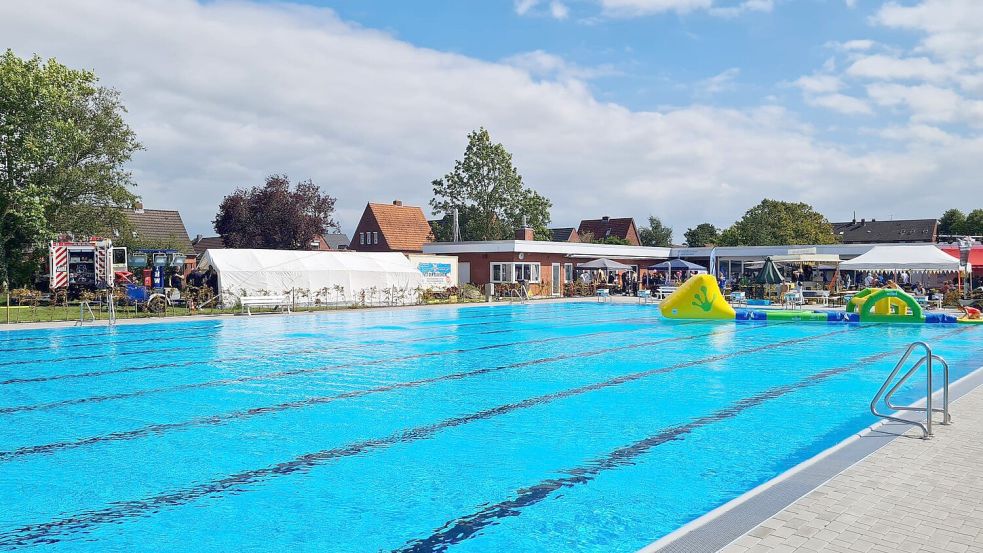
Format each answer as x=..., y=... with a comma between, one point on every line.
x=928, y=360
x=518, y=294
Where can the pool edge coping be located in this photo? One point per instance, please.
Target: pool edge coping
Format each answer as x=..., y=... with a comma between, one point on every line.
x=787, y=487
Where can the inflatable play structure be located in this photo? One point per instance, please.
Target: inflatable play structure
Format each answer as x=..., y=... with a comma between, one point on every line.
x=700, y=298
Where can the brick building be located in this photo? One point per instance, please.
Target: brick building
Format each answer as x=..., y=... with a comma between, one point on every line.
x=391, y=228
x=607, y=227
x=546, y=266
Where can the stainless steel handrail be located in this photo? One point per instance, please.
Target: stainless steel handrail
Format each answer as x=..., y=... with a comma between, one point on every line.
x=926, y=360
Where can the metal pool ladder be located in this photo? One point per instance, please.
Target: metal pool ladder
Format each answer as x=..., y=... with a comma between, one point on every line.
x=928, y=359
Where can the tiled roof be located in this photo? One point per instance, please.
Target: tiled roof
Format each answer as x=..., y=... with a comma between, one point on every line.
x=885, y=232
x=565, y=234
x=336, y=240
x=160, y=225
x=208, y=243
x=402, y=227
x=623, y=227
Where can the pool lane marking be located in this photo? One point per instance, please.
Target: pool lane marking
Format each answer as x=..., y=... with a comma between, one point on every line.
x=293, y=353
x=463, y=528
x=298, y=372
x=435, y=328
x=45, y=532
x=242, y=414
x=215, y=325
x=504, y=320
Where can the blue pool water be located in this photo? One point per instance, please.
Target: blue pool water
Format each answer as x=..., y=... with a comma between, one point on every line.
x=545, y=427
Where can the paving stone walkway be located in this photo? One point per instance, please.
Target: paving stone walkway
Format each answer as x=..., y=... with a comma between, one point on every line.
x=911, y=495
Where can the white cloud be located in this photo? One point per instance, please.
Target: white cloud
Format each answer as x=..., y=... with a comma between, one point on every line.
x=638, y=8
x=819, y=83
x=635, y=8
x=559, y=10
x=543, y=65
x=720, y=82
x=840, y=103
x=883, y=67
x=522, y=7
x=224, y=93
x=928, y=103
x=743, y=7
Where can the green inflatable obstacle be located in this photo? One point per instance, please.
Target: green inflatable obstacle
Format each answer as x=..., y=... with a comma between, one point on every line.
x=885, y=305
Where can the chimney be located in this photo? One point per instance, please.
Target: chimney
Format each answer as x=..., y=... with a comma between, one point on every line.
x=398, y=203
x=138, y=207
x=863, y=222
x=605, y=218
x=526, y=232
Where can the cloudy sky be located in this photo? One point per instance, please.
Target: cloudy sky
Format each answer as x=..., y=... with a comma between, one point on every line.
x=690, y=110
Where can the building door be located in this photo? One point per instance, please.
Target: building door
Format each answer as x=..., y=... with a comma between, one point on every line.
x=463, y=273
x=557, y=282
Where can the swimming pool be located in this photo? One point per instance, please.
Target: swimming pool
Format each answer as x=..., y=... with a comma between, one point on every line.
x=540, y=427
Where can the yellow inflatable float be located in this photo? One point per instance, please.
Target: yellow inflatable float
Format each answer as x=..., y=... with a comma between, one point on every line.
x=697, y=298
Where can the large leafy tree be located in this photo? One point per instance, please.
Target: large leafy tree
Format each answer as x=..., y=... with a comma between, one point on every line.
x=656, y=234
x=489, y=195
x=952, y=222
x=63, y=147
x=274, y=216
x=974, y=223
x=775, y=223
x=702, y=235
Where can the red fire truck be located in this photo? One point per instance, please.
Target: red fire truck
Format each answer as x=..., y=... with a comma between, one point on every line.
x=84, y=265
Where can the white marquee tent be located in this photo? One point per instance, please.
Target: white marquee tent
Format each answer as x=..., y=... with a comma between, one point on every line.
x=328, y=275
x=896, y=258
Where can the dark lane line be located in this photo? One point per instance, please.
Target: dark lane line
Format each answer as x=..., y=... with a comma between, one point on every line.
x=242, y=414
x=180, y=330
x=276, y=341
x=288, y=354
x=49, y=532
x=294, y=372
x=468, y=526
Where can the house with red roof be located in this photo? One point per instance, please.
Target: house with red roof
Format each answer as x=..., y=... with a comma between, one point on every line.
x=391, y=228
x=608, y=227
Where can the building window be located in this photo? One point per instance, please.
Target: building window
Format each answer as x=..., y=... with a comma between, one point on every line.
x=361, y=238
x=514, y=272
x=528, y=272
x=375, y=237
x=568, y=272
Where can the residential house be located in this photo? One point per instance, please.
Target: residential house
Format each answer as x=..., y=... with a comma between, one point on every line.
x=156, y=227
x=566, y=234
x=887, y=232
x=323, y=242
x=391, y=228
x=607, y=227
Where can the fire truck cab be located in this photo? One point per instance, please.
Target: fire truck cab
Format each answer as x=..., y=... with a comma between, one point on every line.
x=84, y=265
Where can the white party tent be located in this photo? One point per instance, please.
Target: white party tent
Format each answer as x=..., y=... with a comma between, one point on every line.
x=896, y=258
x=335, y=275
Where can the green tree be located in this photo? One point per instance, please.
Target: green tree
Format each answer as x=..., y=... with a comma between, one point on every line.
x=777, y=223
x=702, y=235
x=952, y=222
x=656, y=234
x=489, y=195
x=974, y=223
x=63, y=146
x=273, y=216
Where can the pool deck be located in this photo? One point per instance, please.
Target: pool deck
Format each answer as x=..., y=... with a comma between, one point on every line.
x=910, y=495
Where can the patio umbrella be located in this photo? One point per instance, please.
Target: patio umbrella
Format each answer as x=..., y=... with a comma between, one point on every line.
x=676, y=265
x=606, y=264
x=769, y=273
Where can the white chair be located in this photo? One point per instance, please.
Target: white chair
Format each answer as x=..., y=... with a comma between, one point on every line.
x=644, y=296
x=603, y=294
x=738, y=298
